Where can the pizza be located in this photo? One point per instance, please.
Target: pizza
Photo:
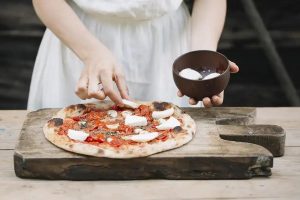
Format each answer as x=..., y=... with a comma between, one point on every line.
x=103, y=129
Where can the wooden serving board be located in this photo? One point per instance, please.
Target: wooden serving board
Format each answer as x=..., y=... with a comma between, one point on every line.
x=207, y=156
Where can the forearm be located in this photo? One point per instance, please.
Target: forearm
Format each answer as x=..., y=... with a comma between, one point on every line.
x=207, y=23
x=59, y=17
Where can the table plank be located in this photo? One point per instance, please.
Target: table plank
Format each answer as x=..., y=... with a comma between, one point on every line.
x=152, y=189
x=288, y=180
x=11, y=122
x=282, y=184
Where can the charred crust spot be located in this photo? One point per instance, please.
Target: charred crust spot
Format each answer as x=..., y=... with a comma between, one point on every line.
x=81, y=106
x=56, y=121
x=70, y=108
x=161, y=105
x=177, y=129
x=100, y=152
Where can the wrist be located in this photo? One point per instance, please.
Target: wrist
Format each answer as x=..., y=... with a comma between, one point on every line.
x=93, y=52
x=203, y=46
x=203, y=42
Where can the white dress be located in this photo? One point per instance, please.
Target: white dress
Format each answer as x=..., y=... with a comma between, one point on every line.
x=145, y=36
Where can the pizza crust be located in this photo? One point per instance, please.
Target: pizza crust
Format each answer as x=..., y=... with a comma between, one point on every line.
x=125, y=151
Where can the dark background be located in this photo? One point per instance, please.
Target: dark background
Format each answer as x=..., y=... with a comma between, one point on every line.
x=255, y=85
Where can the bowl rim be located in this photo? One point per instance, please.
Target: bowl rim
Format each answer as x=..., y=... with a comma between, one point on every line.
x=197, y=51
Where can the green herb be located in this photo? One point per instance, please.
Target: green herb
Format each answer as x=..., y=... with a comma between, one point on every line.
x=110, y=133
x=82, y=124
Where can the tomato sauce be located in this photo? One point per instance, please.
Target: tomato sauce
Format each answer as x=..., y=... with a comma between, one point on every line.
x=94, y=121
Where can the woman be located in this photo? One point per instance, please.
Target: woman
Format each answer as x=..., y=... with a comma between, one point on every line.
x=92, y=45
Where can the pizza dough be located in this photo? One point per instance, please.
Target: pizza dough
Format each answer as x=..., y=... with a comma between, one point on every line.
x=99, y=129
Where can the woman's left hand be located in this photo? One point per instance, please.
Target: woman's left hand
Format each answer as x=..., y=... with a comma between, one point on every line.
x=216, y=100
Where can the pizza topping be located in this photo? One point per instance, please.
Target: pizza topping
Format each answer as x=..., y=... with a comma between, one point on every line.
x=110, y=133
x=125, y=129
x=126, y=113
x=116, y=142
x=135, y=121
x=138, y=130
x=82, y=124
x=95, y=115
x=77, y=135
x=130, y=104
x=163, y=114
x=142, y=124
x=142, y=137
x=96, y=139
x=169, y=124
x=161, y=121
x=112, y=126
x=160, y=106
x=112, y=113
x=109, y=139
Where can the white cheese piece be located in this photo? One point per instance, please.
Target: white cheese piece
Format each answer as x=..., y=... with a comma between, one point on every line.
x=77, y=135
x=210, y=76
x=135, y=121
x=161, y=121
x=130, y=104
x=112, y=126
x=137, y=130
x=162, y=114
x=109, y=139
x=126, y=113
x=191, y=74
x=169, y=124
x=144, y=137
x=112, y=113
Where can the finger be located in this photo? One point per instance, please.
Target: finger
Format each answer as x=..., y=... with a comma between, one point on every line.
x=192, y=101
x=217, y=100
x=107, y=83
x=207, y=102
x=94, y=91
x=121, y=84
x=81, y=88
x=179, y=94
x=233, y=67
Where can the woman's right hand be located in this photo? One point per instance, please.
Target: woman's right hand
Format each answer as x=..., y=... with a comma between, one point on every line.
x=100, y=65
x=96, y=80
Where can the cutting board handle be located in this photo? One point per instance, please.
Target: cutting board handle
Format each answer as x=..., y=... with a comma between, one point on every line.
x=272, y=137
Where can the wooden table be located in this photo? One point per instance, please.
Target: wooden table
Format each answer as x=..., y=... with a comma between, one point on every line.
x=283, y=184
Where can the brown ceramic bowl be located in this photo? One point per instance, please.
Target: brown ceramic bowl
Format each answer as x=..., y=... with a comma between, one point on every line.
x=205, y=62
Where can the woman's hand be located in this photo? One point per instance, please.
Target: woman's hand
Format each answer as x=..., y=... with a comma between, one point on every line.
x=98, y=76
x=216, y=100
x=100, y=66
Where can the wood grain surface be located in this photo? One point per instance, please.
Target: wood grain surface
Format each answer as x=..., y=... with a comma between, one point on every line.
x=207, y=156
x=283, y=184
